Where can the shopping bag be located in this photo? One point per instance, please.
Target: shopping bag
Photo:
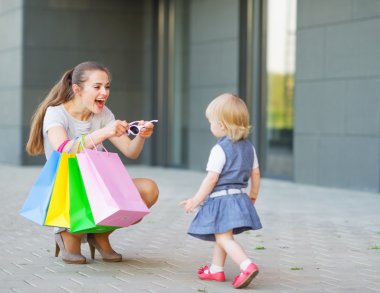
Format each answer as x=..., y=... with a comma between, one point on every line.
x=58, y=210
x=81, y=218
x=37, y=202
x=113, y=197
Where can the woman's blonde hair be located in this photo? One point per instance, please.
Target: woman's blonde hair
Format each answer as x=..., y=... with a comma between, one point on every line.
x=60, y=93
x=232, y=112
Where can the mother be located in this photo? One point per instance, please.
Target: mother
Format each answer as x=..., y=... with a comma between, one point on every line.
x=73, y=107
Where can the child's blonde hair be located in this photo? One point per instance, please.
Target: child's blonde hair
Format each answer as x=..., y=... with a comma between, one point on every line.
x=232, y=112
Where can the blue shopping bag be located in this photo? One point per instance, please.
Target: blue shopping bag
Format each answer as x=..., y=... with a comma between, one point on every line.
x=37, y=202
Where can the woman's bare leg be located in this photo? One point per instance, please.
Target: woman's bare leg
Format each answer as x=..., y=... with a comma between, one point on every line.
x=103, y=240
x=148, y=190
x=72, y=242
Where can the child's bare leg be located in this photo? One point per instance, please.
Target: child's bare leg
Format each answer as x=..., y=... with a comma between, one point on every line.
x=248, y=269
x=227, y=242
x=216, y=270
x=219, y=255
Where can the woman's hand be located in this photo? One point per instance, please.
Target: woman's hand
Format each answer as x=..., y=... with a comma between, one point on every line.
x=117, y=128
x=131, y=148
x=146, y=130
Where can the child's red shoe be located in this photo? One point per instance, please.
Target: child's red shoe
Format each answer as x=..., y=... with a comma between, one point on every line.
x=245, y=277
x=205, y=274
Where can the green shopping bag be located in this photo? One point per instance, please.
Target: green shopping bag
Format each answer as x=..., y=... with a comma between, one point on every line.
x=81, y=218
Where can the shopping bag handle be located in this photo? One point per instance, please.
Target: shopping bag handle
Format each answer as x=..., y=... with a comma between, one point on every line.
x=61, y=147
x=93, y=144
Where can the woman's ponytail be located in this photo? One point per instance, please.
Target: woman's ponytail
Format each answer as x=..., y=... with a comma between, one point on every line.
x=59, y=94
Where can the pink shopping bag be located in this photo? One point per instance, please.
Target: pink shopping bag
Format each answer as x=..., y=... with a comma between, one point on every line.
x=113, y=197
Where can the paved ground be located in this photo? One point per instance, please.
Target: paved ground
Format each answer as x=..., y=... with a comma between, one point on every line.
x=314, y=240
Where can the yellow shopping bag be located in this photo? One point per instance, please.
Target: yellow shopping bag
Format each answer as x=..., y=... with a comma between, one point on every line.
x=58, y=212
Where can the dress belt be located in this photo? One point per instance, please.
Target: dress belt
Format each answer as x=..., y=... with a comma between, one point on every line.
x=228, y=192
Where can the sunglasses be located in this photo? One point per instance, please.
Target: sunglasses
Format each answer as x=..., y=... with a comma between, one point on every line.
x=134, y=127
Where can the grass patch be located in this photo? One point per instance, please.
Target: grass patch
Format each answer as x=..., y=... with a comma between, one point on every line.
x=260, y=248
x=296, y=268
x=376, y=247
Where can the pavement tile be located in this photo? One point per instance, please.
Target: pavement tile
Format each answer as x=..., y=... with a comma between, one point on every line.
x=314, y=240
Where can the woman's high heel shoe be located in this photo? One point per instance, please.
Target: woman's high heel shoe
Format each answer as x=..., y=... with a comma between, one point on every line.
x=107, y=256
x=67, y=257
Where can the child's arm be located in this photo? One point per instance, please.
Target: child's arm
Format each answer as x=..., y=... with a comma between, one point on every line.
x=204, y=190
x=255, y=184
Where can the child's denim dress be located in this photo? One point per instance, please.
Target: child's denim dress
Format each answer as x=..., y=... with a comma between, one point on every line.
x=235, y=211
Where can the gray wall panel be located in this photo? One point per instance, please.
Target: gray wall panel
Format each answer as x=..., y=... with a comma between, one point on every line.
x=365, y=8
x=10, y=68
x=351, y=49
x=10, y=114
x=344, y=161
x=361, y=166
x=83, y=29
x=322, y=114
x=363, y=107
x=86, y=5
x=339, y=108
x=215, y=20
x=331, y=108
x=11, y=31
x=7, y=5
x=307, y=98
x=124, y=104
x=321, y=12
x=311, y=59
x=213, y=65
x=125, y=66
x=10, y=154
x=306, y=158
x=200, y=142
x=332, y=156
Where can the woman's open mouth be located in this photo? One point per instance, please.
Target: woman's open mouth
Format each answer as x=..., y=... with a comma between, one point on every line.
x=100, y=102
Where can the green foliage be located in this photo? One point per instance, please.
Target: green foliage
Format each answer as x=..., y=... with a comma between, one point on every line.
x=280, y=101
